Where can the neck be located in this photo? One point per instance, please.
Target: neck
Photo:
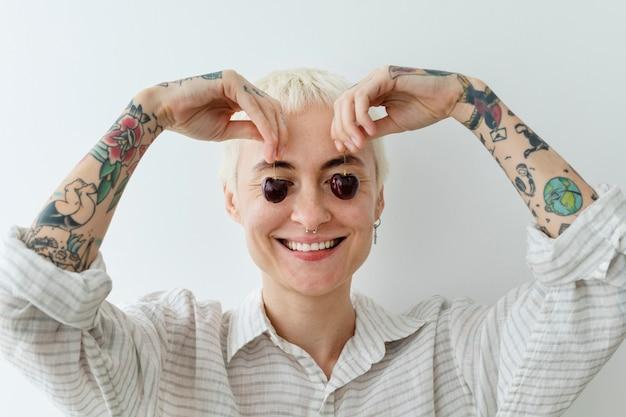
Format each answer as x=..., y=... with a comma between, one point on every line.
x=321, y=325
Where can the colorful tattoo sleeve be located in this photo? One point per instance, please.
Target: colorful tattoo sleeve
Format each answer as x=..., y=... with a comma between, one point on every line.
x=553, y=191
x=70, y=227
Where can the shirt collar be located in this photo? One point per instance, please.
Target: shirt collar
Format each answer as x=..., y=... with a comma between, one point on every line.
x=374, y=325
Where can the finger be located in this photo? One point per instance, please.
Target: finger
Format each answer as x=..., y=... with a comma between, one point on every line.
x=270, y=146
x=267, y=107
x=361, y=108
x=340, y=134
x=339, y=146
x=386, y=126
x=271, y=109
x=283, y=132
x=349, y=122
x=252, y=109
x=242, y=129
x=333, y=136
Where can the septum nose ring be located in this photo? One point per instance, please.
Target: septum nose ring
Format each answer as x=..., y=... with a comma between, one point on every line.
x=306, y=230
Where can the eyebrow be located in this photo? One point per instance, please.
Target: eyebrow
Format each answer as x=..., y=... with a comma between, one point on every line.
x=349, y=160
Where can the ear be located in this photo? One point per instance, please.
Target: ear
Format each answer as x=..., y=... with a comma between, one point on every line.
x=230, y=202
x=380, y=203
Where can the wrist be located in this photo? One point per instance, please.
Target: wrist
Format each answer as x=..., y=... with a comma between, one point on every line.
x=464, y=106
x=151, y=102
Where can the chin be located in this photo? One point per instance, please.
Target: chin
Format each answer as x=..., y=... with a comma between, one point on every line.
x=313, y=286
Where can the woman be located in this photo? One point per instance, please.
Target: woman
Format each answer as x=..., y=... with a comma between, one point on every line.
x=308, y=191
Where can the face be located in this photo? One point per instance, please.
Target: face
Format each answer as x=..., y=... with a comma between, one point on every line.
x=309, y=203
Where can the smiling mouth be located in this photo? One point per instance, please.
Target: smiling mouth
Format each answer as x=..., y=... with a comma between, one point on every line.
x=336, y=243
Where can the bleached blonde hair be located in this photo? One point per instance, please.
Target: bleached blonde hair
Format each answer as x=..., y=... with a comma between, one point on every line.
x=296, y=89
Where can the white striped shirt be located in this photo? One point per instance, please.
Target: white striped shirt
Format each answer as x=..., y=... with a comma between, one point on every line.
x=169, y=354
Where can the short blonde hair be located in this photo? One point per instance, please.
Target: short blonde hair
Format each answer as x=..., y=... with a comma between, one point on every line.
x=296, y=89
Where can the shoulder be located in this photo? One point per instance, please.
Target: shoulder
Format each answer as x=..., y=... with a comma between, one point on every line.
x=177, y=304
x=429, y=309
x=438, y=308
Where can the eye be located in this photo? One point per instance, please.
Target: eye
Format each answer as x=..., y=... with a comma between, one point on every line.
x=344, y=186
x=274, y=189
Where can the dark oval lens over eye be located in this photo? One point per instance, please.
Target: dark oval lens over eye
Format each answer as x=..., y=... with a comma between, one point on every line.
x=344, y=186
x=275, y=190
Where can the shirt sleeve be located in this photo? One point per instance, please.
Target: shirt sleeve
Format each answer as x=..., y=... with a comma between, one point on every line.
x=533, y=352
x=56, y=327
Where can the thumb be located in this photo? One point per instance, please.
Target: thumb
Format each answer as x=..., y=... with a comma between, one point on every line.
x=242, y=129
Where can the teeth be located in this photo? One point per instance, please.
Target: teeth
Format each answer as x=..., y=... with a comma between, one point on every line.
x=305, y=247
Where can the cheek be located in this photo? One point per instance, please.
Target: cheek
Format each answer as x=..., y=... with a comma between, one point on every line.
x=262, y=218
x=356, y=213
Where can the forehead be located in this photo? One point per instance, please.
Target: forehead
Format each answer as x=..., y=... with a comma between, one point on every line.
x=309, y=144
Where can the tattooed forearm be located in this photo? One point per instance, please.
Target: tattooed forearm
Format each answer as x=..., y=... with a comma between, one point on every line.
x=119, y=148
x=552, y=190
x=69, y=229
x=210, y=76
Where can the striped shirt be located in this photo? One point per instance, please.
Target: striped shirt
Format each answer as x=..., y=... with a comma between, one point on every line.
x=168, y=354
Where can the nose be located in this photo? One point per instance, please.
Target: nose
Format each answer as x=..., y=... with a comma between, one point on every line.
x=309, y=207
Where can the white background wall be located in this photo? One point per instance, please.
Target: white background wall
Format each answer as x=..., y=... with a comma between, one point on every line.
x=69, y=68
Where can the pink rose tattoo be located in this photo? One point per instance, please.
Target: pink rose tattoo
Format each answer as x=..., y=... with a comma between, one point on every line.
x=125, y=135
x=118, y=147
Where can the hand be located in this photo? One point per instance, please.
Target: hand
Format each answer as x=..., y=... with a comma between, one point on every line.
x=201, y=107
x=413, y=98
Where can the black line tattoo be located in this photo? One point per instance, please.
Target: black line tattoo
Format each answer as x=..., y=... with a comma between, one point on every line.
x=396, y=71
x=70, y=253
x=253, y=90
x=534, y=140
x=210, y=76
x=563, y=227
x=157, y=129
x=525, y=177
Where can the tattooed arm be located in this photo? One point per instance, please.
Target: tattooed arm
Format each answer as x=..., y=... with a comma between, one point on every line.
x=535, y=350
x=70, y=228
x=415, y=98
x=552, y=189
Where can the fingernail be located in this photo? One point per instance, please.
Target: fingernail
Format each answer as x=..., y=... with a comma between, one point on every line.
x=354, y=141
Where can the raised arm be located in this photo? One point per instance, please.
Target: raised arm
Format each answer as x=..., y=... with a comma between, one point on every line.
x=71, y=226
x=553, y=191
x=535, y=350
x=56, y=325
x=414, y=98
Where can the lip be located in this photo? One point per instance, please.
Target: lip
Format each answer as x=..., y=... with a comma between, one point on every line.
x=310, y=239
x=310, y=256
